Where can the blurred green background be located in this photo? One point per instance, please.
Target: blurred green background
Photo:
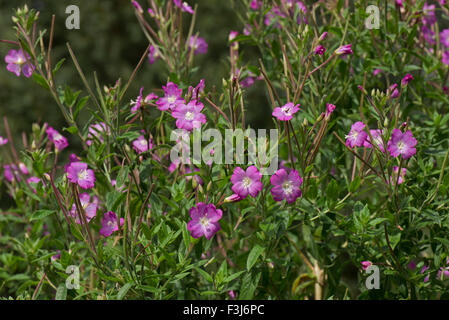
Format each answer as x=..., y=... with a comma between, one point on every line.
x=111, y=43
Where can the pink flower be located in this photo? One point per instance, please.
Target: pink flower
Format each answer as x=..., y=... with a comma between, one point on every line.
x=184, y=6
x=232, y=198
x=320, y=50
x=141, y=144
x=445, y=58
x=376, y=72
x=79, y=173
x=246, y=182
x=33, y=182
x=399, y=3
x=3, y=141
x=402, y=144
x=172, y=97
x=393, y=91
x=329, y=109
x=378, y=139
x=137, y=6
x=17, y=63
x=357, y=135
x=150, y=97
x=343, y=50
x=323, y=36
x=286, y=112
x=366, y=264
x=428, y=35
x=23, y=168
x=55, y=137
x=255, y=4
x=286, y=185
x=189, y=115
x=394, y=178
x=407, y=78
x=11, y=172
x=444, y=37
x=109, y=224
x=198, y=44
x=429, y=14
x=136, y=104
x=153, y=54
x=89, y=207
x=424, y=269
x=96, y=132
x=204, y=221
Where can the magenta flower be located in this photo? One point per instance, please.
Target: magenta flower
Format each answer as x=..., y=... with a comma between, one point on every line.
x=232, y=198
x=153, y=54
x=357, y=135
x=393, y=91
x=445, y=58
x=424, y=269
x=378, y=140
x=329, y=109
x=402, y=144
x=429, y=17
x=184, y=6
x=3, y=141
x=407, y=78
x=189, y=115
x=273, y=16
x=79, y=173
x=17, y=63
x=196, y=177
x=137, y=6
x=172, y=97
x=136, y=104
x=96, y=132
x=444, y=37
x=399, y=3
x=10, y=172
x=109, y=224
x=23, y=168
x=89, y=207
x=55, y=137
x=428, y=35
x=141, y=144
x=198, y=44
x=320, y=50
x=255, y=4
x=247, y=29
x=394, y=178
x=376, y=72
x=286, y=185
x=33, y=182
x=247, y=82
x=366, y=264
x=246, y=182
x=343, y=50
x=204, y=221
x=286, y=112
x=150, y=97
x=323, y=36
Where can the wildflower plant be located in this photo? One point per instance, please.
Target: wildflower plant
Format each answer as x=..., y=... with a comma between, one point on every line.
x=360, y=179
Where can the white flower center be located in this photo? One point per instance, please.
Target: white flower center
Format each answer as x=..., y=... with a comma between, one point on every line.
x=286, y=110
x=287, y=186
x=82, y=175
x=246, y=182
x=143, y=143
x=189, y=115
x=204, y=221
x=171, y=99
x=401, y=146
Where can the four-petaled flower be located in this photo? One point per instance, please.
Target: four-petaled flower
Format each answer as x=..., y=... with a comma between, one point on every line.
x=189, y=115
x=407, y=78
x=357, y=135
x=141, y=144
x=109, y=224
x=246, y=182
x=320, y=50
x=286, y=112
x=184, y=6
x=78, y=172
x=18, y=62
x=402, y=144
x=198, y=44
x=89, y=207
x=204, y=221
x=172, y=97
x=55, y=137
x=286, y=185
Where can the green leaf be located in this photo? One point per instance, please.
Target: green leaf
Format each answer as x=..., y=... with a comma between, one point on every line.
x=256, y=251
x=205, y=275
x=41, y=214
x=40, y=80
x=123, y=291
